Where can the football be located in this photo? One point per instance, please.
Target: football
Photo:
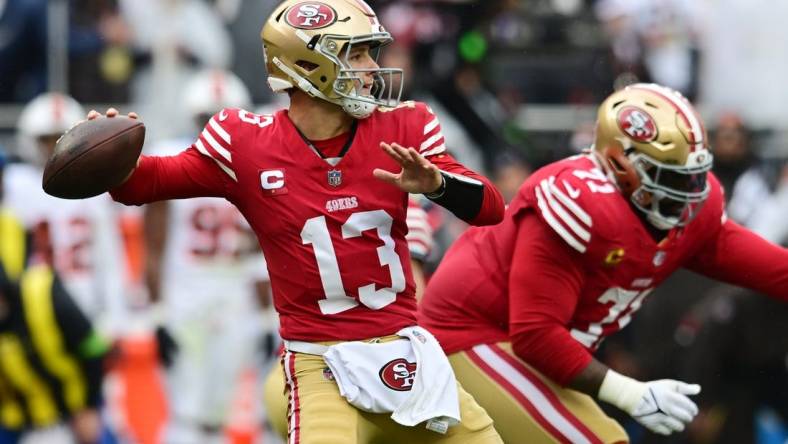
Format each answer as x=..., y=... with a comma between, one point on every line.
x=93, y=157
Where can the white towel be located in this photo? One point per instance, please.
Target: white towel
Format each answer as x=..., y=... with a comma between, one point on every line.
x=382, y=378
x=358, y=369
x=434, y=393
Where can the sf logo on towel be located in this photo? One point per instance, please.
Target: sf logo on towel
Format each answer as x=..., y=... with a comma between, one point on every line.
x=398, y=374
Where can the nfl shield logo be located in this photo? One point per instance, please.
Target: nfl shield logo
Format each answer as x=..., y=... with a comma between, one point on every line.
x=335, y=178
x=659, y=258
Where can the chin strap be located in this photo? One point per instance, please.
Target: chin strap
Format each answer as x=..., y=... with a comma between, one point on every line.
x=303, y=84
x=660, y=223
x=357, y=108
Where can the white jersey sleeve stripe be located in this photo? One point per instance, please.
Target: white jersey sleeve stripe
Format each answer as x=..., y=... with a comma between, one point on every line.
x=462, y=178
x=215, y=145
x=430, y=126
x=555, y=225
x=421, y=239
x=437, y=150
x=559, y=210
x=417, y=249
x=570, y=204
x=419, y=223
x=431, y=141
x=201, y=148
x=424, y=237
x=220, y=131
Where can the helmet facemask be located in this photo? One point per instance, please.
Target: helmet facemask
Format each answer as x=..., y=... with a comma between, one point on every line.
x=669, y=195
x=350, y=81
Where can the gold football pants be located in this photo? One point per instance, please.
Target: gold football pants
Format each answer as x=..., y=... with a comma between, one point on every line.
x=526, y=406
x=310, y=410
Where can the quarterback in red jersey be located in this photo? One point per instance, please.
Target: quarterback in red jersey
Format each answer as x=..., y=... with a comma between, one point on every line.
x=315, y=183
x=520, y=307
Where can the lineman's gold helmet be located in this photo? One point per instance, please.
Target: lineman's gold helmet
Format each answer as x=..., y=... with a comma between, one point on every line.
x=653, y=143
x=306, y=44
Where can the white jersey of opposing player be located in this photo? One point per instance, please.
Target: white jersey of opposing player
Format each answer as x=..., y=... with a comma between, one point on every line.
x=211, y=254
x=86, y=247
x=211, y=260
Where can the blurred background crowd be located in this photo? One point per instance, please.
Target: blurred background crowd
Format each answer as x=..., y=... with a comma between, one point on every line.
x=515, y=84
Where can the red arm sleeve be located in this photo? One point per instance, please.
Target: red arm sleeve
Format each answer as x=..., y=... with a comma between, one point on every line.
x=740, y=257
x=492, y=208
x=189, y=174
x=544, y=288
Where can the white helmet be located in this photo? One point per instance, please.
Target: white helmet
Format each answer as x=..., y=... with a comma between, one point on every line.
x=48, y=114
x=210, y=90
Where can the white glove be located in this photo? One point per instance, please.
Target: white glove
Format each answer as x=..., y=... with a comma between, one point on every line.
x=661, y=406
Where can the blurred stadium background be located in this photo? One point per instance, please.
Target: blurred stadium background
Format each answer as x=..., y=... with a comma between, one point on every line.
x=515, y=83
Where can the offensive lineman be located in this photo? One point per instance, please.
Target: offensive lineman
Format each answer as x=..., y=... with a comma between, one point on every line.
x=521, y=307
x=315, y=184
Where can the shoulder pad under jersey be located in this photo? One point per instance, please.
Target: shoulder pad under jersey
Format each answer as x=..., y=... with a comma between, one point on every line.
x=427, y=136
x=220, y=137
x=576, y=200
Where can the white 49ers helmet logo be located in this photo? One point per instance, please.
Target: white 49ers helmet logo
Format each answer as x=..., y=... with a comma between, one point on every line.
x=637, y=124
x=311, y=15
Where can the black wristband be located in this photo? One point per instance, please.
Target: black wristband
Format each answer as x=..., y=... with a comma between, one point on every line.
x=461, y=195
x=439, y=192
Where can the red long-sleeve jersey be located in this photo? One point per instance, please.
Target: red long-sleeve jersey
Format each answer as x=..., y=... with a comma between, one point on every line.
x=332, y=234
x=571, y=264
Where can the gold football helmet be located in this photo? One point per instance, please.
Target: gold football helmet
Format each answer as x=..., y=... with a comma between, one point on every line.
x=652, y=142
x=307, y=43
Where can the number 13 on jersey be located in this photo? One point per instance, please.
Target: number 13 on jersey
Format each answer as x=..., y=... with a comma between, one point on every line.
x=315, y=232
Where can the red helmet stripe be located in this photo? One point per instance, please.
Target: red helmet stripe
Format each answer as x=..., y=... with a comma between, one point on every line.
x=373, y=18
x=58, y=106
x=684, y=109
x=365, y=7
x=218, y=86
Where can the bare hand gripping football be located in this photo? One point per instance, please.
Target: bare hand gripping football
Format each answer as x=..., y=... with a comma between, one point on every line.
x=94, y=156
